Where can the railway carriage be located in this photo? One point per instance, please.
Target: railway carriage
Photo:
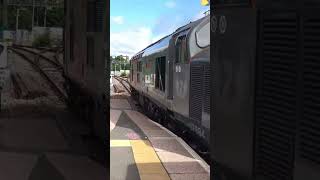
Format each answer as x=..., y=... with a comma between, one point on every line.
x=171, y=79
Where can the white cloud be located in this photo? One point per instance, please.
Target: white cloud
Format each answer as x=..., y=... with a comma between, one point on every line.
x=170, y=4
x=130, y=42
x=117, y=19
x=166, y=25
x=198, y=16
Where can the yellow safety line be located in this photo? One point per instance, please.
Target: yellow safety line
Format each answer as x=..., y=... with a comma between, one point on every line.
x=147, y=161
x=120, y=143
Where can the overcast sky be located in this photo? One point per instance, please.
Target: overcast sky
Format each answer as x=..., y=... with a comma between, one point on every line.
x=137, y=23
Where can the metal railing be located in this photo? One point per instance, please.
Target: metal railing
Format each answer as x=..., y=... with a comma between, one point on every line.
x=36, y=3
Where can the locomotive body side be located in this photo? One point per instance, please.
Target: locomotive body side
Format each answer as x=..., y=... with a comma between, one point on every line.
x=154, y=71
x=166, y=88
x=191, y=80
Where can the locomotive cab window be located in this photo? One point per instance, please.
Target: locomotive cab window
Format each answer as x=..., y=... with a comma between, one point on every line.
x=131, y=73
x=140, y=66
x=1, y=49
x=181, y=49
x=160, y=79
x=139, y=69
x=202, y=38
x=138, y=77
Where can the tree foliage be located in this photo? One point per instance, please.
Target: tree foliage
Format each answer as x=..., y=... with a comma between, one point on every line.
x=25, y=18
x=119, y=62
x=42, y=41
x=54, y=17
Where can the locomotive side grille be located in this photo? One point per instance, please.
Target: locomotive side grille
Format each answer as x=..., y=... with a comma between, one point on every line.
x=206, y=89
x=196, y=81
x=99, y=15
x=309, y=134
x=276, y=98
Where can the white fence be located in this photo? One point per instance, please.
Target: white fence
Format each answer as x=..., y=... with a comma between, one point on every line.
x=118, y=73
x=25, y=37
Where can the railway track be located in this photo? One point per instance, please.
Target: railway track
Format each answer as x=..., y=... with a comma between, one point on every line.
x=39, y=55
x=55, y=49
x=40, y=64
x=123, y=81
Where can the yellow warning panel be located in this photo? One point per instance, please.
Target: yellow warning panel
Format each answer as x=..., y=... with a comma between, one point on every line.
x=147, y=161
x=120, y=143
x=152, y=177
x=141, y=147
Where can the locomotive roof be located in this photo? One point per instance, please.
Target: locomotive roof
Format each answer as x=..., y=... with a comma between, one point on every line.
x=190, y=25
x=164, y=42
x=158, y=46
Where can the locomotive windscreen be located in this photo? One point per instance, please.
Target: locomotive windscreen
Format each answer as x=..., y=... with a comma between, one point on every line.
x=202, y=39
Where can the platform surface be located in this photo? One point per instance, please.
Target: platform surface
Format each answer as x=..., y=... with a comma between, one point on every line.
x=144, y=150
x=47, y=147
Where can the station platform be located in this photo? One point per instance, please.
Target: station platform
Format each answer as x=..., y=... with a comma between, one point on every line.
x=141, y=149
x=36, y=145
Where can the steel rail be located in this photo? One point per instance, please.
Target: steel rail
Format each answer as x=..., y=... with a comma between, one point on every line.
x=57, y=65
x=120, y=80
x=54, y=87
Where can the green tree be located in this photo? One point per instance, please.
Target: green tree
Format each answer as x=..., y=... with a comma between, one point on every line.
x=120, y=63
x=25, y=17
x=55, y=17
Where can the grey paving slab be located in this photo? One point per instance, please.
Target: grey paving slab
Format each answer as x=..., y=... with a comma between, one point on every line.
x=183, y=167
x=119, y=104
x=45, y=170
x=122, y=164
x=74, y=167
x=147, y=125
x=168, y=156
x=157, y=133
x=36, y=134
x=169, y=145
x=70, y=124
x=190, y=176
x=141, y=120
x=179, y=163
x=126, y=129
x=114, y=117
x=15, y=166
